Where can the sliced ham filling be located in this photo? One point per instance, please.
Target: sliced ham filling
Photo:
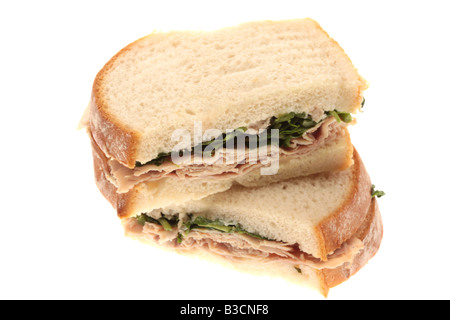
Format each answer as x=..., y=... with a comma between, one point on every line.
x=125, y=178
x=242, y=247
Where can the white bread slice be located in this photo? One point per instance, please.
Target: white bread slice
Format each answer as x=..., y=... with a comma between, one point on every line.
x=335, y=155
x=227, y=79
x=365, y=221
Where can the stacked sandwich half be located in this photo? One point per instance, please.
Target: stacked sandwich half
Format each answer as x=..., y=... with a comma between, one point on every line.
x=233, y=145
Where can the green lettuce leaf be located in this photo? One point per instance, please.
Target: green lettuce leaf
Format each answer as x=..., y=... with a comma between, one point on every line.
x=197, y=223
x=376, y=193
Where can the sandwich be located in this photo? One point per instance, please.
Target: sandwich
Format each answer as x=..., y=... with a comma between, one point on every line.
x=233, y=145
x=316, y=231
x=282, y=87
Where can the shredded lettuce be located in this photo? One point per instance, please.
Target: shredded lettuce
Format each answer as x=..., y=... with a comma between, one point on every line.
x=157, y=161
x=166, y=223
x=376, y=193
x=198, y=223
x=202, y=222
x=341, y=116
x=291, y=125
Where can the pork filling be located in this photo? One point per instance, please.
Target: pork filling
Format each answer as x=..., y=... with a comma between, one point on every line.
x=231, y=241
x=298, y=135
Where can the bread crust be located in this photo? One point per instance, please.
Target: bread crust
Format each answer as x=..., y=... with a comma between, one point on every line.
x=112, y=136
x=122, y=202
x=346, y=220
x=371, y=233
x=364, y=84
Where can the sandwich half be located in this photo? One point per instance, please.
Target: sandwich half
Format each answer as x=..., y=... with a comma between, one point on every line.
x=316, y=231
x=287, y=77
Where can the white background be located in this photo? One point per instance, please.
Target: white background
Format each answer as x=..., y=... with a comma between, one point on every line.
x=60, y=239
